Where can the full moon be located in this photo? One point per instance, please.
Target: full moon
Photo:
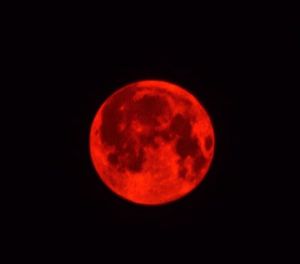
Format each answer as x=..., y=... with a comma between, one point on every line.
x=152, y=142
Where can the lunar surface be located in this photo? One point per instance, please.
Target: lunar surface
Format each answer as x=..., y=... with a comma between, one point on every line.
x=151, y=142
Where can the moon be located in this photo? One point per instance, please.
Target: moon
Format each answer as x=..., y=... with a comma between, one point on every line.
x=152, y=142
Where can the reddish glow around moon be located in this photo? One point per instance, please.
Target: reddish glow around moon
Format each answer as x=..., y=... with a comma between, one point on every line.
x=151, y=142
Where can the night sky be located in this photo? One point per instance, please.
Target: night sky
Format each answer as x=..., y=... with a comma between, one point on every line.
x=215, y=76
x=229, y=65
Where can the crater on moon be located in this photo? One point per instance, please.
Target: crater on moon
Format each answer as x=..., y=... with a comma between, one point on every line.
x=151, y=142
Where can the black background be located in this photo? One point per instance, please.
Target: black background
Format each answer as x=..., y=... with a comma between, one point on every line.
x=232, y=64
x=204, y=70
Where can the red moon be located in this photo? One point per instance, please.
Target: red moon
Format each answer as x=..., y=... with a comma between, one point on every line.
x=152, y=142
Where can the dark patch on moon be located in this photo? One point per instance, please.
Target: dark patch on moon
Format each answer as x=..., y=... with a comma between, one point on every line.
x=113, y=158
x=187, y=146
x=208, y=143
x=199, y=163
x=148, y=109
x=136, y=160
x=129, y=153
x=112, y=117
x=180, y=125
x=182, y=172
